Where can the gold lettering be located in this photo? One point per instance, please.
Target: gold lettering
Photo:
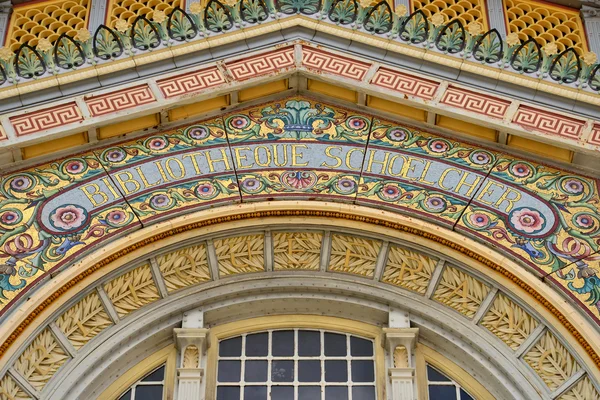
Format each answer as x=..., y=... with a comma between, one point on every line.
x=211, y=162
x=161, y=171
x=391, y=165
x=349, y=155
x=291, y=251
x=170, y=170
x=372, y=161
x=463, y=182
x=464, y=287
x=349, y=253
x=129, y=179
x=443, y=176
x=239, y=157
x=511, y=202
x=144, y=180
x=276, y=156
x=97, y=192
x=297, y=156
x=257, y=156
x=110, y=188
x=241, y=253
x=338, y=160
x=410, y=167
x=488, y=191
x=194, y=161
x=82, y=328
x=181, y=263
x=424, y=173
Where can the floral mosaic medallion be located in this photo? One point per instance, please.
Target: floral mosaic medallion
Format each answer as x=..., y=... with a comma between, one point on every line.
x=297, y=148
x=555, y=229
x=186, y=169
x=412, y=171
x=40, y=230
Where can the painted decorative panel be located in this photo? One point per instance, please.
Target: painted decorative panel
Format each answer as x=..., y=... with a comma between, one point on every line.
x=120, y=100
x=46, y=119
x=322, y=61
x=84, y=320
x=407, y=84
x=132, y=290
x=297, y=250
x=274, y=61
x=9, y=390
x=460, y=291
x=41, y=359
x=191, y=83
x=300, y=148
x=547, y=122
x=582, y=390
x=509, y=322
x=240, y=254
x=475, y=102
x=551, y=361
x=184, y=267
x=408, y=269
x=353, y=255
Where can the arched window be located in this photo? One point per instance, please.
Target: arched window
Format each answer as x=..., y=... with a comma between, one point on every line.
x=150, y=387
x=441, y=387
x=296, y=364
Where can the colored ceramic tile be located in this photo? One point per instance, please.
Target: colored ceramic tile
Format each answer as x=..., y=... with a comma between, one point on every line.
x=415, y=172
x=47, y=220
x=549, y=219
x=186, y=169
x=297, y=147
x=46, y=119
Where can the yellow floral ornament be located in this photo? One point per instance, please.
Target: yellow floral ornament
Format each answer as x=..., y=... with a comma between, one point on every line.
x=551, y=49
x=159, y=16
x=6, y=53
x=590, y=58
x=230, y=3
x=43, y=45
x=438, y=19
x=122, y=25
x=195, y=8
x=513, y=39
x=366, y=3
x=401, y=10
x=475, y=28
x=83, y=35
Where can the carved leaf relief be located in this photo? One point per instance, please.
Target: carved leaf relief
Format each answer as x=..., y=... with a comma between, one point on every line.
x=582, y=390
x=408, y=269
x=297, y=250
x=40, y=361
x=132, y=290
x=9, y=390
x=551, y=361
x=240, y=254
x=353, y=255
x=400, y=357
x=185, y=267
x=191, y=356
x=460, y=291
x=84, y=320
x=508, y=321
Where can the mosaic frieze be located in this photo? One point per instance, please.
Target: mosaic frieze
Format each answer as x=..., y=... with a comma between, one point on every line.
x=299, y=148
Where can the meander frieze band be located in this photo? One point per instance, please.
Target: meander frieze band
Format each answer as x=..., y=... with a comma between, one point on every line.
x=30, y=319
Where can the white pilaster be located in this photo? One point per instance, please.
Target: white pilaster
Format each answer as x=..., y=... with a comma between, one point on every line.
x=400, y=344
x=191, y=342
x=495, y=10
x=5, y=11
x=591, y=19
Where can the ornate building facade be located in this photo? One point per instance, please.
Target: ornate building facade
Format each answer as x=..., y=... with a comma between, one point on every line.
x=299, y=200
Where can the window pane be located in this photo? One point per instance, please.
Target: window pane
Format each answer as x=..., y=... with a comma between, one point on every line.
x=126, y=396
x=434, y=376
x=335, y=344
x=255, y=393
x=442, y=392
x=257, y=345
x=309, y=343
x=228, y=393
x=256, y=371
x=231, y=347
x=336, y=393
x=156, y=376
x=360, y=347
x=283, y=343
x=363, y=371
x=282, y=371
x=282, y=392
x=229, y=371
x=363, y=392
x=309, y=393
x=309, y=371
x=149, y=392
x=464, y=395
x=336, y=371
